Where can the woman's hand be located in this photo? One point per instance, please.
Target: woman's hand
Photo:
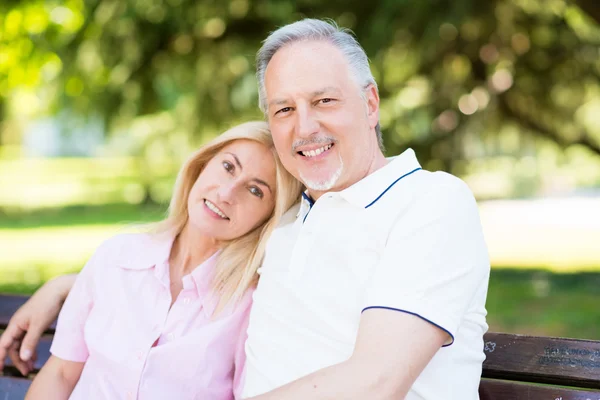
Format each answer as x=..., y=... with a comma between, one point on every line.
x=20, y=339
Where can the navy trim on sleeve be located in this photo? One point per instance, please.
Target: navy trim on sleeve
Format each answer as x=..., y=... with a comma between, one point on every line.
x=416, y=315
x=389, y=187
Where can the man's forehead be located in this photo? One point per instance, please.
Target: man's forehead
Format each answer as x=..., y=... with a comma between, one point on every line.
x=306, y=59
x=304, y=73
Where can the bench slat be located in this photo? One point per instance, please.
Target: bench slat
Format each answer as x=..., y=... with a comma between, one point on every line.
x=9, y=304
x=566, y=362
x=490, y=389
x=13, y=388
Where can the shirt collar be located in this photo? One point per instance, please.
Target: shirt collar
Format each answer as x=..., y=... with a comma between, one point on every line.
x=203, y=275
x=306, y=204
x=368, y=190
x=155, y=250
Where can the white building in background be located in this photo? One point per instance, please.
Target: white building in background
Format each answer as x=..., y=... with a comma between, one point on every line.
x=63, y=136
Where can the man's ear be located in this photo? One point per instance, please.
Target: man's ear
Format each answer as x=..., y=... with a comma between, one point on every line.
x=372, y=105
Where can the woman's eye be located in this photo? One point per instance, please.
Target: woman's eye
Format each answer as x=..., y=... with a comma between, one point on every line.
x=228, y=166
x=256, y=191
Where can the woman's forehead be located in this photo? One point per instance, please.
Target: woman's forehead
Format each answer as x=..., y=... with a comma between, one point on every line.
x=252, y=155
x=246, y=148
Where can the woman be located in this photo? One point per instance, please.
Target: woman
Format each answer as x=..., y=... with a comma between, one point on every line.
x=163, y=314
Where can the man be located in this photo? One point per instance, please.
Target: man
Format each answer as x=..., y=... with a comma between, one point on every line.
x=374, y=286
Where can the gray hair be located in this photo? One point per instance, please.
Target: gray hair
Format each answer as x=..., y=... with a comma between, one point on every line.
x=315, y=29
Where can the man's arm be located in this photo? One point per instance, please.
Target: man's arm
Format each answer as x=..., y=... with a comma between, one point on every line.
x=392, y=349
x=31, y=320
x=56, y=380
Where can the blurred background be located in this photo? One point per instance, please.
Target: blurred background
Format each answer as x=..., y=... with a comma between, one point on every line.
x=101, y=100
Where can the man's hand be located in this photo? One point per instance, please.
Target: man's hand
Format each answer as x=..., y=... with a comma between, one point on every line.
x=20, y=339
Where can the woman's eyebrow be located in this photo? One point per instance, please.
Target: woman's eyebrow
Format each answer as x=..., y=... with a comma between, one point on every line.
x=237, y=160
x=257, y=180
x=261, y=182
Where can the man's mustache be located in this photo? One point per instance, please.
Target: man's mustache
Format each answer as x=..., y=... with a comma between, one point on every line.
x=315, y=140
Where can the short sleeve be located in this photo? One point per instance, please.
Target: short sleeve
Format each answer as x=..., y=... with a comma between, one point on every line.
x=435, y=259
x=69, y=341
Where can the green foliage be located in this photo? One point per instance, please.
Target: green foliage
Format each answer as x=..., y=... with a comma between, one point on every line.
x=454, y=75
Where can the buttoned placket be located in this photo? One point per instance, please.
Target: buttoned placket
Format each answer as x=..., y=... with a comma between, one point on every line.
x=141, y=355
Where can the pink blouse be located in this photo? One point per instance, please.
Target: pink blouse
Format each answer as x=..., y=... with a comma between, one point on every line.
x=117, y=320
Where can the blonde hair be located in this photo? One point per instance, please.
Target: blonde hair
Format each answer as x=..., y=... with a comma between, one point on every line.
x=239, y=258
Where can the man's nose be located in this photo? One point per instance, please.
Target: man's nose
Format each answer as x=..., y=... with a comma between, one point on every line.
x=307, y=123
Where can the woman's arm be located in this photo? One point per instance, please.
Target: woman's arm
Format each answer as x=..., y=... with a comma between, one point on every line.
x=56, y=380
x=31, y=320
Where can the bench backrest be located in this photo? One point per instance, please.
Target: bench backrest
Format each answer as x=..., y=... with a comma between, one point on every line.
x=517, y=367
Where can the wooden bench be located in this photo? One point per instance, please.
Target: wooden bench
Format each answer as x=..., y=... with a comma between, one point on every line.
x=517, y=367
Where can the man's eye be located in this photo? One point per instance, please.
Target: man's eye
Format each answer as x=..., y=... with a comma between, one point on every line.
x=256, y=191
x=228, y=166
x=283, y=110
x=326, y=100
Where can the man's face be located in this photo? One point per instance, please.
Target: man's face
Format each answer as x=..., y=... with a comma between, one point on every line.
x=321, y=123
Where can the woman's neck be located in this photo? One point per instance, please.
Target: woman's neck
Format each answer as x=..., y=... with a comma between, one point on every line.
x=191, y=249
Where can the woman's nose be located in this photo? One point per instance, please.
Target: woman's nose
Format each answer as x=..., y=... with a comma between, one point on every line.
x=226, y=192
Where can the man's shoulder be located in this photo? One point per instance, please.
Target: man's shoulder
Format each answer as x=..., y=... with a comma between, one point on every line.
x=449, y=187
x=422, y=190
x=427, y=197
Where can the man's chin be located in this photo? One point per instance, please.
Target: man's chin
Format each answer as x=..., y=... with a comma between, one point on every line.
x=321, y=184
x=322, y=181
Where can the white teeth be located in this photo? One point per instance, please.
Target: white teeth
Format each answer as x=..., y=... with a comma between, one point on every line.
x=214, y=209
x=316, y=152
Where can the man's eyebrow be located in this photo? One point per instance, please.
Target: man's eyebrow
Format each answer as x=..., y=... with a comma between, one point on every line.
x=278, y=102
x=328, y=89
x=318, y=92
x=237, y=160
x=261, y=182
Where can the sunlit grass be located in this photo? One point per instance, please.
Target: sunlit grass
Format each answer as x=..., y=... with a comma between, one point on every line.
x=37, y=246
x=525, y=296
x=538, y=302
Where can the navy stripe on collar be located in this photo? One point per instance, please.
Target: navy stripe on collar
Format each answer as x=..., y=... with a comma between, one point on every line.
x=311, y=202
x=307, y=198
x=389, y=187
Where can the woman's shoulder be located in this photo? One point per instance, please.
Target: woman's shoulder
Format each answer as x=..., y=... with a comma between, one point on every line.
x=124, y=240
x=125, y=245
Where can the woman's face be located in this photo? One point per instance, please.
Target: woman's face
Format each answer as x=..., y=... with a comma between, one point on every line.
x=235, y=192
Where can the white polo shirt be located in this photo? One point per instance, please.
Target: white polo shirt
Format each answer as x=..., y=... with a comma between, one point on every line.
x=402, y=239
